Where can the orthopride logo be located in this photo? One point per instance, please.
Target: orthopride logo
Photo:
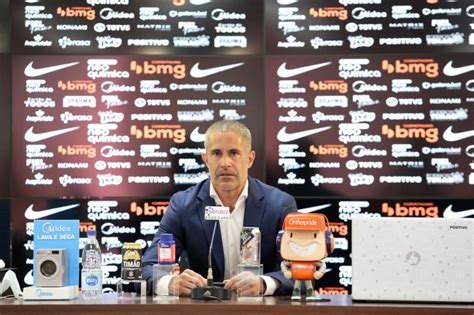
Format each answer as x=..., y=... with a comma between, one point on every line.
x=168, y=67
x=77, y=12
x=155, y=208
x=411, y=209
x=412, y=131
x=174, y=132
x=423, y=66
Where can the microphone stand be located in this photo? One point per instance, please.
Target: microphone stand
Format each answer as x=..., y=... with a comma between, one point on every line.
x=211, y=292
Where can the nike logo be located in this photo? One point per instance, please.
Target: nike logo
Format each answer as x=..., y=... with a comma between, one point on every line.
x=315, y=208
x=451, y=71
x=31, y=214
x=283, y=72
x=32, y=72
x=199, y=2
x=29, y=278
x=286, y=2
x=31, y=136
x=195, y=136
x=449, y=213
x=451, y=136
x=283, y=136
x=201, y=73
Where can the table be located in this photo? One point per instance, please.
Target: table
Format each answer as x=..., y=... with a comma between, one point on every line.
x=338, y=304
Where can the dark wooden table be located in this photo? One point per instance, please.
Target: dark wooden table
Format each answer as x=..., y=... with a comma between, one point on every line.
x=338, y=304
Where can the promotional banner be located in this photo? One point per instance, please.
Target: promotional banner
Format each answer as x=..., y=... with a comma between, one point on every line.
x=124, y=125
x=138, y=27
x=370, y=126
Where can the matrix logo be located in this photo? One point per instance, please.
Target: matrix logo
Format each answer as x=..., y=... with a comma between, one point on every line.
x=411, y=209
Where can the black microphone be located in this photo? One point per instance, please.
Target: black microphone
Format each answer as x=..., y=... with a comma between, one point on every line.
x=211, y=291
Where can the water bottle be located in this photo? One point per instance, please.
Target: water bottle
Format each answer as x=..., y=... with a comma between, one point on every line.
x=166, y=249
x=91, y=268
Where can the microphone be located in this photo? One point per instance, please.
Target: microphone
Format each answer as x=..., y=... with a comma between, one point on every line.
x=212, y=291
x=210, y=277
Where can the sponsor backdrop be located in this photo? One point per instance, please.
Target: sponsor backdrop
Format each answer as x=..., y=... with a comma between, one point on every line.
x=357, y=107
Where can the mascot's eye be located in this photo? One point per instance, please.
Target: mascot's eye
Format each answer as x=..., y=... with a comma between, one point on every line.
x=314, y=235
x=291, y=235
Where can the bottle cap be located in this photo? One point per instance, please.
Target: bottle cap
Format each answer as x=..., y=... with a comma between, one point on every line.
x=91, y=233
x=166, y=237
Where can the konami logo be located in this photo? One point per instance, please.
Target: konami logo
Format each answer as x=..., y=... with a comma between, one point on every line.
x=329, y=12
x=174, y=132
x=329, y=85
x=428, y=132
x=411, y=209
x=170, y=67
x=426, y=66
x=77, y=12
x=156, y=208
x=78, y=85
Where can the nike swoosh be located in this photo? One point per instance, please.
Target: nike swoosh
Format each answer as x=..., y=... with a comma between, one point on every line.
x=32, y=72
x=283, y=72
x=199, y=2
x=201, y=73
x=282, y=136
x=451, y=136
x=29, y=278
x=195, y=136
x=449, y=213
x=31, y=136
x=315, y=208
x=451, y=71
x=286, y=2
x=31, y=214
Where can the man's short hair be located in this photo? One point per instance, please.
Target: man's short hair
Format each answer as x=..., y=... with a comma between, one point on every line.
x=230, y=126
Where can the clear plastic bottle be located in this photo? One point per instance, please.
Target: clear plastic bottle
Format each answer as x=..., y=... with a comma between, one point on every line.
x=91, y=274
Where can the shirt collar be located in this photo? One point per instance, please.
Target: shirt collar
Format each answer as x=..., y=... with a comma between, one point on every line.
x=243, y=195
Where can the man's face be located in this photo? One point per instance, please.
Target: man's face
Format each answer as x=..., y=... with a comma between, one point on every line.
x=228, y=161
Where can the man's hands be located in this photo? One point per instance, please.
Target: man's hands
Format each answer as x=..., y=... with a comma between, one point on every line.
x=183, y=283
x=246, y=284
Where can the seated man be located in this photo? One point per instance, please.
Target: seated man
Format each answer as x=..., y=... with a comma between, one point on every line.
x=252, y=203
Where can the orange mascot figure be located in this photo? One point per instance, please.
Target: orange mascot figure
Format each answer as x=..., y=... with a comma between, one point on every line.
x=305, y=242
